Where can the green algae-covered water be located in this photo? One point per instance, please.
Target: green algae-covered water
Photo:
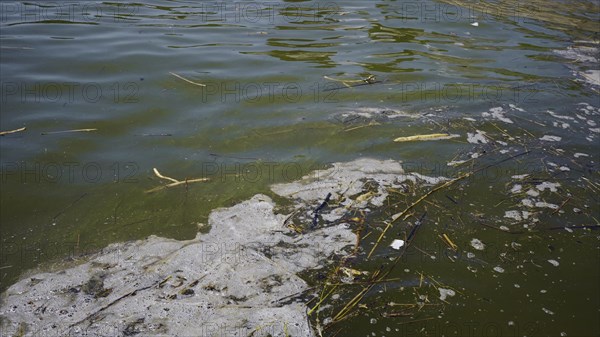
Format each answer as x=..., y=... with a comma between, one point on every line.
x=250, y=94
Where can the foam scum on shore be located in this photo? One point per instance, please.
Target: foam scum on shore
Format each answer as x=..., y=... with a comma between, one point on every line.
x=232, y=281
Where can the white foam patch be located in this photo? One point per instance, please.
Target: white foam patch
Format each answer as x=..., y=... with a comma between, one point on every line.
x=548, y=186
x=516, y=215
x=555, y=115
x=497, y=113
x=578, y=54
x=550, y=138
x=477, y=244
x=397, y=244
x=543, y=204
x=527, y=202
x=445, y=293
x=514, y=107
x=184, y=287
x=477, y=138
x=231, y=277
x=591, y=76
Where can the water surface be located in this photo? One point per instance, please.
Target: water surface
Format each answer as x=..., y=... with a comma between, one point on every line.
x=274, y=108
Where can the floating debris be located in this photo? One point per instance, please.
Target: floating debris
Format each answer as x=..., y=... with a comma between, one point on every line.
x=499, y=269
x=444, y=293
x=248, y=261
x=369, y=116
x=548, y=311
x=352, y=273
x=591, y=76
x=67, y=131
x=215, y=268
x=324, y=204
x=527, y=202
x=583, y=56
x=513, y=215
x=562, y=125
x=154, y=135
x=2, y=133
x=433, y=136
x=497, y=113
x=577, y=53
x=548, y=185
x=554, y=263
x=449, y=242
x=517, y=215
x=477, y=244
x=353, y=83
x=189, y=81
x=543, y=204
x=397, y=244
x=553, y=114
x=477, y=138
x=550, y=138
x=174, y=182
x=456, y=162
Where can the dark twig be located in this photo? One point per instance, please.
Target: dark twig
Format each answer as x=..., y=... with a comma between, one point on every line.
x=318, y=209
x=576, y=227
x=95, y=314
x=69, y=206
x=415, y=227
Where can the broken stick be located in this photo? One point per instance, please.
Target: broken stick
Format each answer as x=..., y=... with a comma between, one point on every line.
x=2, y=133
x=185, y=79
x=174, y=182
